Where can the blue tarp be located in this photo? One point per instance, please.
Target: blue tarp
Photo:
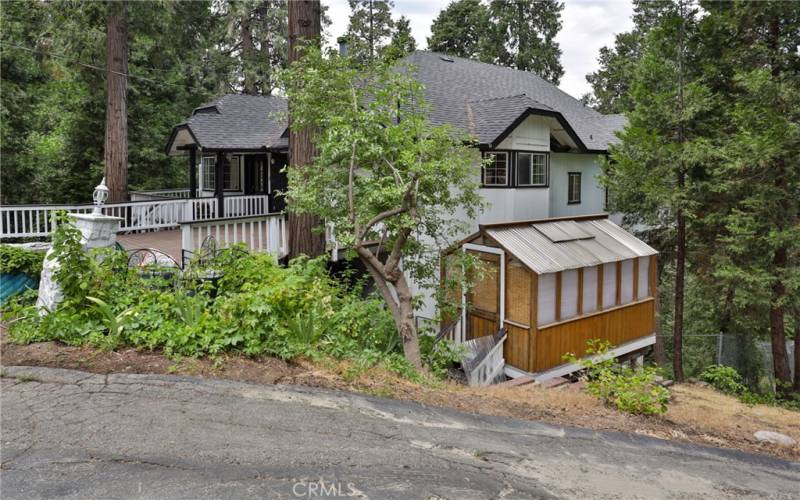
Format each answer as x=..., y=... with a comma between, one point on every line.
x=12, y=284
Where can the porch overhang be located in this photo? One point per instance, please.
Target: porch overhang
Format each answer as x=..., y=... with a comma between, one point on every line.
x=181, y=139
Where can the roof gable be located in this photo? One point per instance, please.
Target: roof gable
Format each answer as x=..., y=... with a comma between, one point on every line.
x=454, y=85
x=235, y=122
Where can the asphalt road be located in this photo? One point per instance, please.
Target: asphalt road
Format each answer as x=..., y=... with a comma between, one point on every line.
x=69, y=434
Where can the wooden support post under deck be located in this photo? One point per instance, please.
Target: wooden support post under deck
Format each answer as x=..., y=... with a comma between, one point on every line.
x=193, y=173
x=219, y=184
x=534, y=306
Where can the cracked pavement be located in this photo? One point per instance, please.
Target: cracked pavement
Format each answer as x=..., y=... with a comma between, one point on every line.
x=70, y=434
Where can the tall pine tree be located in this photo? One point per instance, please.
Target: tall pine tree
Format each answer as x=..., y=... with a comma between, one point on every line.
x=521, y=35
x=402, y=41
x=753, y=66
x=611, y=82
x=460, y=29
x=370, y=28
x=652, y=174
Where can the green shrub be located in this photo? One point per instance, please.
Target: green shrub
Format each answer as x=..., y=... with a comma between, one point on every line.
x=724, y=379
x=630, y=390
x=727, y=380
x=254, y=306
x=14, y=260
x=439, y=356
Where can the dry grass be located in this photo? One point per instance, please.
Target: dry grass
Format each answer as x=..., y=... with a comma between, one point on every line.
x=696, y=414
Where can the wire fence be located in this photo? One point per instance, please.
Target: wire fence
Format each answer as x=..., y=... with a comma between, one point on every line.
x=742, y=352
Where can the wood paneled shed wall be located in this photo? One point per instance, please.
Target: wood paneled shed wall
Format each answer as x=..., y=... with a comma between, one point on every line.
x=533, y=346
x=520, y=294
x=617, y=325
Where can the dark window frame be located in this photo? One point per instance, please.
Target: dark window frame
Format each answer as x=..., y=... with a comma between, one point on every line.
x=511, y=173
x=570, y=199
x=508, y=155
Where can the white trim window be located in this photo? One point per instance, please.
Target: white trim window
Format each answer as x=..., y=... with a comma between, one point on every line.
x=496, y=172
x=573, y=188
x=532, y=169
x=232, y=178
x=209, y=173
x=232, y=174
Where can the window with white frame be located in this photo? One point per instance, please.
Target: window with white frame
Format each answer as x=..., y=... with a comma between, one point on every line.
x=495, y=173
x=531, y=169
x=232, y=175
x=209, y=172
x=574, y=188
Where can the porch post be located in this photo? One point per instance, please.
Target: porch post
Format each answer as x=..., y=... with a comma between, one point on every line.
x=219, y=185
x=193, y=173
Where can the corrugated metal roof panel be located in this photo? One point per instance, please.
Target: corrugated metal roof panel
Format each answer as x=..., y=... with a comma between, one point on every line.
x=559, y=231
x=548, y=247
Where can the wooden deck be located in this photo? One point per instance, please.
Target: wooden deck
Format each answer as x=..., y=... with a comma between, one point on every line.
x=167, y=241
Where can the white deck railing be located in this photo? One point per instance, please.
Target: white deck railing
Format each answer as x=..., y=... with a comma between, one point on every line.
x=490, y=367
x=159, y=194
x=24, y=221
x=263, y=233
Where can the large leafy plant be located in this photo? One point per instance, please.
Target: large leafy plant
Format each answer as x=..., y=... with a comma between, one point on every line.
x=15, y=260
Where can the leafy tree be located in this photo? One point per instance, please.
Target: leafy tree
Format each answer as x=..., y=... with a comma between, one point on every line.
x=460, y=29
x=387, y=180
x=256, y=32
x=654, y=174
x=611, y=82
x=402, y=42
x=53, y=61
x=370, y=28
x=522, y=35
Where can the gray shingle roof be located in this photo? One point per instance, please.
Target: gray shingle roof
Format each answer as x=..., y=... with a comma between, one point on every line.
x=240, y=122
x=478, y=98
x=488, y=118
x=450, y=86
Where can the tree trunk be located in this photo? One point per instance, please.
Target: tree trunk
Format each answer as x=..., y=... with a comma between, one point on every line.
x=658, y=349
x=248, y=55
x=400, y=304
x=777, y=327
x=796, y=386
x=405, y=323
x=304, y=25
x=115, y=155
x=371, y=32
x=680, y=251
x=680, y=273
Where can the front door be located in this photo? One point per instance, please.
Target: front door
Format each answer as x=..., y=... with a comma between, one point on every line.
x=255, y=177
x=484, y=300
